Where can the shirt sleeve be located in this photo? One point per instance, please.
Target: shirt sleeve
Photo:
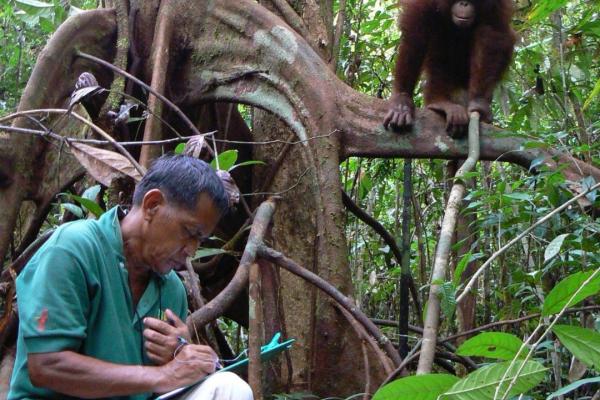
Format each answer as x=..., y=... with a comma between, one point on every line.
x=53, y=301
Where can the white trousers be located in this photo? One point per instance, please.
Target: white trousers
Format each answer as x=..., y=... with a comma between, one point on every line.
x=220, y=386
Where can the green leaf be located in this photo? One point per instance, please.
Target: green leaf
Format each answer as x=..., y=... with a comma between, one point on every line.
x=91, y=193
x=207, y=252
x=572, y=386
x=180, y=148
x=481, y=384
x=74, y=209
x=595, y=92
x=89, y=205
x=226, y=160
x=34, y=7
x=583, y=343
x=419, y=387
x=462, y=264
x=518, y=196
x=544, y=8
x=554, y=247
x=564, y=290
x=503, y=346
x=448, y=299
x=460, y=268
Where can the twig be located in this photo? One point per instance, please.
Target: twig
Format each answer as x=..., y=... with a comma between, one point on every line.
x=519, y=237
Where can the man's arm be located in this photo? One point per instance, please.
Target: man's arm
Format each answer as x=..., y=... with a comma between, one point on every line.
x=81, y=376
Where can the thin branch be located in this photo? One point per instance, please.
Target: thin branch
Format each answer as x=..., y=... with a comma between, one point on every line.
x=363, y=335
x=95, y=127
x=168, y=102
x=270, y=175
x=414, y=353
x=540, y=221
x=17, y=265
x=53, y=135
x=511, y=322
x=283, y=191
x=535, y=345
x=284, y=262
x=387, y=238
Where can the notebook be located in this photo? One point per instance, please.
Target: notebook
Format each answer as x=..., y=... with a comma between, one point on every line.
x=267, y=352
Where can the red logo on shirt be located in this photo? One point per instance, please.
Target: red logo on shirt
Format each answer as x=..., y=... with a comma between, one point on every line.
x=42, y=320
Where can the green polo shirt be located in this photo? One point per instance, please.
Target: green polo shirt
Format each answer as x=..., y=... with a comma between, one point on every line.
x=73, y=295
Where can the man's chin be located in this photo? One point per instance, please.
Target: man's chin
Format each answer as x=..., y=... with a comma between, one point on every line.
x=170, y=265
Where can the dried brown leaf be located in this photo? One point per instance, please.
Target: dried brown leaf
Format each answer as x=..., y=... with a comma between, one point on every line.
x=233, y=192
x=104, y=165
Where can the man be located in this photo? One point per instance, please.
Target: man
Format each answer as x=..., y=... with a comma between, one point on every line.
x=101, y=311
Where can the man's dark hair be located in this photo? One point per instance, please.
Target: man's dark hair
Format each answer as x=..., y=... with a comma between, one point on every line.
x=182, y=179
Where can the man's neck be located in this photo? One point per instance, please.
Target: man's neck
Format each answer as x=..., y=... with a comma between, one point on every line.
x=139, y=275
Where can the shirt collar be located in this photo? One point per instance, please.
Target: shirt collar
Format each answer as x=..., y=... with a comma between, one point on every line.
x=109, y=224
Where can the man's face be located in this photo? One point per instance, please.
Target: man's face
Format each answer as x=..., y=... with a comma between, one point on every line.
x=172, y=233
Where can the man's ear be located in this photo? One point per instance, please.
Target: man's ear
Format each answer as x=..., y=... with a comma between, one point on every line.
x=152, y=201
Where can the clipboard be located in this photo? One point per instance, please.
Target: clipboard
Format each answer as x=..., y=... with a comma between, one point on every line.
x=267, y=352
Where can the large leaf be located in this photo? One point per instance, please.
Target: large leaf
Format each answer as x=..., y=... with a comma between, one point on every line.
x=481, y=384
x=226, y=160
x=103, y=165
x=499, y=345
x=565, y=289
x=572, y=386
x=583, y=343
x=419, y=387
x=554, y=247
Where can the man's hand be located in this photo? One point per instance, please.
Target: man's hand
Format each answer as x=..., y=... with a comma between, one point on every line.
x=162, y=338
x=192, y=363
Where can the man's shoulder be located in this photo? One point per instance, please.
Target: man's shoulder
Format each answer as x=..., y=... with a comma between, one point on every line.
x=77, y=235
